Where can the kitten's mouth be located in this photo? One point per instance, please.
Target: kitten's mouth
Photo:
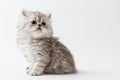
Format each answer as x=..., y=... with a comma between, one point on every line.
x=38, y=29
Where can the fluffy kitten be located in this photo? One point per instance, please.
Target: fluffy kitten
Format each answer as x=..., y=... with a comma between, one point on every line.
x=44, y=53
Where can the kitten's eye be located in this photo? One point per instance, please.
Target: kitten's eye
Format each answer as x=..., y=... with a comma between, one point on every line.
x=33, y=22
x=43, y=23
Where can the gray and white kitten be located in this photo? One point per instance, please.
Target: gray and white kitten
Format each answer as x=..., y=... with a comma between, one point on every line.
x=44, y=53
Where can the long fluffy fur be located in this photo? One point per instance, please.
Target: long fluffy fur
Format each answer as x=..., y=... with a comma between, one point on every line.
x=46, y=55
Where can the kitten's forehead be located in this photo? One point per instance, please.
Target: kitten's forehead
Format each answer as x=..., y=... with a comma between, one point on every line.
x=38, y=15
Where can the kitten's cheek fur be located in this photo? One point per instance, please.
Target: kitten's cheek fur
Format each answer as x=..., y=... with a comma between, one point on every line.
x=34, y=28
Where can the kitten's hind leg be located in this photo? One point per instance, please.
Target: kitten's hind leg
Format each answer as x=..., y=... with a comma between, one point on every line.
x=65, y=67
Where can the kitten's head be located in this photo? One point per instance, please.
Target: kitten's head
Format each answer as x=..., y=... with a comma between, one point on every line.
x=36, y=24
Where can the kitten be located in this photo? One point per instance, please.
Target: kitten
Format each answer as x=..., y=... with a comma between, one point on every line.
x=44, y=53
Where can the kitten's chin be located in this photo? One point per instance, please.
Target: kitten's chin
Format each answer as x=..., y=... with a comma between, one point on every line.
x=38, y=35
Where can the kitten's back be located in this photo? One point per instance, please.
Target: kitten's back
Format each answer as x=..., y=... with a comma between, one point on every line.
x=61, y=59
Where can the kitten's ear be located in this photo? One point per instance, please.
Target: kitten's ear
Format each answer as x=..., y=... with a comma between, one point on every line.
x=25, y=13
x=49, y=16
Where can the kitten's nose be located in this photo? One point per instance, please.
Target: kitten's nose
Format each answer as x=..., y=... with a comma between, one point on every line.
x=39, y=25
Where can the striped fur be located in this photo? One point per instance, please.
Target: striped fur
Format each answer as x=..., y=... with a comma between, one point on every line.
x=46, y=54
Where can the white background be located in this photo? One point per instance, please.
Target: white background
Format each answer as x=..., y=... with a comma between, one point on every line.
x=89, y=28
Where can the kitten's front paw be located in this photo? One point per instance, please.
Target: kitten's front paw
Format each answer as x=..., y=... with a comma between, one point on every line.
x=28, y=70
x=34, y=73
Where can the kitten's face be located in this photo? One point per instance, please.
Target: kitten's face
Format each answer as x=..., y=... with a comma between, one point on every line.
x=37, y=24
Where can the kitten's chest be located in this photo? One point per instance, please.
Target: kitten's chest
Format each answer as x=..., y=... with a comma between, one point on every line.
x=22, y=43
x=29, y=47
